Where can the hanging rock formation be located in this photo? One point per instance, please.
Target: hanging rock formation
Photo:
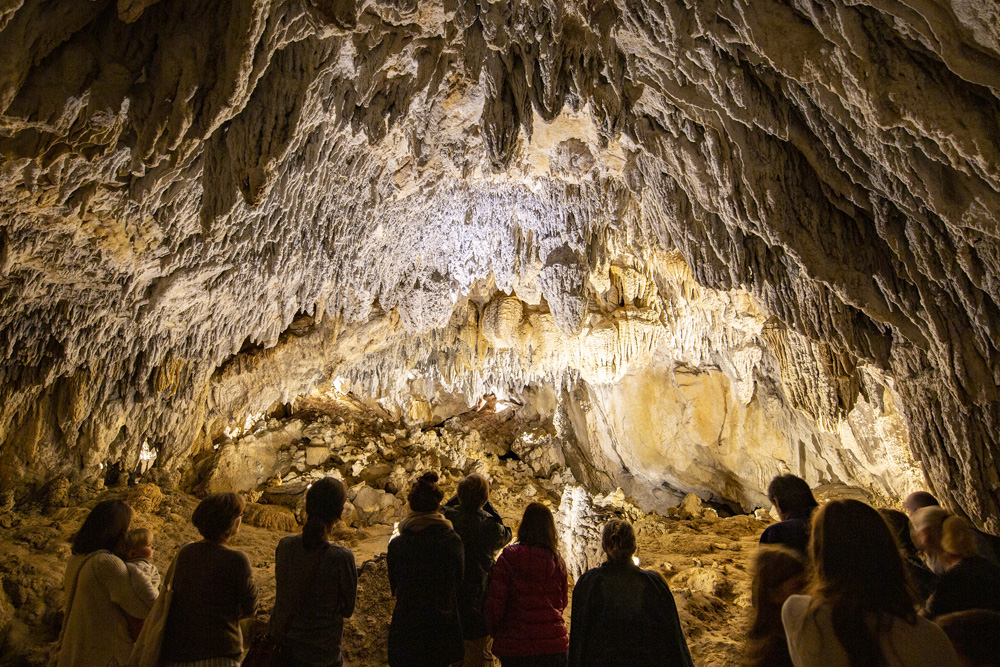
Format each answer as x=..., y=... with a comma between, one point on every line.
x=206, y=208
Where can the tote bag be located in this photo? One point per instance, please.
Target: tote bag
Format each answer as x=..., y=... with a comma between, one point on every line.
x=146, y=652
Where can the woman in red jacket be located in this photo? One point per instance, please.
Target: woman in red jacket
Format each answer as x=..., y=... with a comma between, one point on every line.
x=529, y=590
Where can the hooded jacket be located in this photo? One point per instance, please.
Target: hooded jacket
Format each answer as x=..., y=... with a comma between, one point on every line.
x=528, y=591
x=425, y=572
x=483, y=534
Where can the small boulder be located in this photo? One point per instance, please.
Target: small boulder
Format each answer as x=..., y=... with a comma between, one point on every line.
x=271, y=517
x=317, y=455
x=690, y=507
x=144, y=498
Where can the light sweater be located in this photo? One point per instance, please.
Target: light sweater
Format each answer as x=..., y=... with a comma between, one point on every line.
x=96, y=632
x=812, y=643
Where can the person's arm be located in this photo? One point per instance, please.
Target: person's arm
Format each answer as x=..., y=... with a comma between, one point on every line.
x=944, y=600
x=348, y=586
x=496, y=595
x=135, y=596
x=390, y=561
x=248, y=588
x=578, y=621
x=675, y=644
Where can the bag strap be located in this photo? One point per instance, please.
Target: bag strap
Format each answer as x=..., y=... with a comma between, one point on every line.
x=301, y=595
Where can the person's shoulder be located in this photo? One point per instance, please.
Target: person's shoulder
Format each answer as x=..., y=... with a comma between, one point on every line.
x=338, y=552
x=795, y=609
x=289, y=542
x=105, y=563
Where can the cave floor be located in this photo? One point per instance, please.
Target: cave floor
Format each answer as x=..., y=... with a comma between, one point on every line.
x=705, y=560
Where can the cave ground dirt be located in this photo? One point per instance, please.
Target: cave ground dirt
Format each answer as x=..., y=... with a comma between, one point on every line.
x=706, y=560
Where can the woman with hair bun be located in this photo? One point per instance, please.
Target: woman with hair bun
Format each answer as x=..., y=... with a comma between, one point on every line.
x=968, y=581
x=859, y=611
x=624, y=615
x=426, y=565
x=527, y=595
x=316, y=584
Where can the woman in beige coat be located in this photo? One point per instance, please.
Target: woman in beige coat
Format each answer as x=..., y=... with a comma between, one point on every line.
x=99, y=592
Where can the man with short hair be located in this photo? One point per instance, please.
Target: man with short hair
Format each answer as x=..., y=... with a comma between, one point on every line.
x=483, y=533
x=794, y=502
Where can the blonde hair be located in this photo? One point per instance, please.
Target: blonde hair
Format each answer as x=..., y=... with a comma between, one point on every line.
x=137, y=538
x=957, y=537
x=952, y=534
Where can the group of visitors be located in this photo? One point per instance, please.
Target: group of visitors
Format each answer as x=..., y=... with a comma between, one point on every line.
x=835, y=585
x=454, y=606
x=847, y=585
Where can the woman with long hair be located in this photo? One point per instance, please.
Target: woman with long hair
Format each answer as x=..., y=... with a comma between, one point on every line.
x=624, y=615
x=316, y=583
x=779, y=572
x=99, y=592
x=859, y=611
x=426, y=565
x=968, y=581
x=528, y=592
x=213, y=589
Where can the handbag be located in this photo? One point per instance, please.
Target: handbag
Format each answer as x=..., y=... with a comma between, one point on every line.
x=146, y=652
x=266, y=649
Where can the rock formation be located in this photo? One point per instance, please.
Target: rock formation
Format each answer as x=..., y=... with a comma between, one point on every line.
x=781, y=211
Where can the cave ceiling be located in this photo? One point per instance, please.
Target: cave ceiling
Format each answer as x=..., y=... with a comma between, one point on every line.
x=187, y=188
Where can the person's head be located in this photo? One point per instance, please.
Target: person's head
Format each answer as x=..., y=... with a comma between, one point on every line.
x=858, y=570
x=425, y=495
x=918, y=500
x=778, y=573
x=939, y=533
x=975, y=634
x=217, y=517
x=474, y=491
x=137, y=543
x=538, y=528
x=103, y=528
x=618, y=541
x=790, y=494
x=324, y=506
x=899, y=524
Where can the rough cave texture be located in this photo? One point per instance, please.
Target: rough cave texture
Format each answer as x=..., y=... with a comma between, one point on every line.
x=777, y=219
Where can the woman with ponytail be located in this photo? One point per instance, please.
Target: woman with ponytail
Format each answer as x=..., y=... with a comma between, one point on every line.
x=859, y=611
x=426, y=564
x=316, y=582
x=968, y=581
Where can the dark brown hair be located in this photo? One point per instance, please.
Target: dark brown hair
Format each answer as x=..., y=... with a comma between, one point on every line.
x=773, y=566
x=474, y=491
x=858, y=571
x=425, y=496
x=215, y=516
x=618, y=540
x=791, y=493
x=538, y=528
x=324, y=504
x=104, y=527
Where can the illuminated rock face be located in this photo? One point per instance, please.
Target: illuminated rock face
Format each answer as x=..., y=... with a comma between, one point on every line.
x=206, y=208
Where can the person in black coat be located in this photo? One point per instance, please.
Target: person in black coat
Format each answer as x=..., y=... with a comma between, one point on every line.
x=426, y=565
x=483, y=535
x=794, y=502
x=623, y=615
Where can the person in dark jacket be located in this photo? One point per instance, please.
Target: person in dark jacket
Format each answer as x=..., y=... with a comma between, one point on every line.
x=316, y=584
x=426, y=566
x=528, y=592
x=483, y=535
x=968, y=581
x=624, y=615
x=213, y=590
x=794, y=502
